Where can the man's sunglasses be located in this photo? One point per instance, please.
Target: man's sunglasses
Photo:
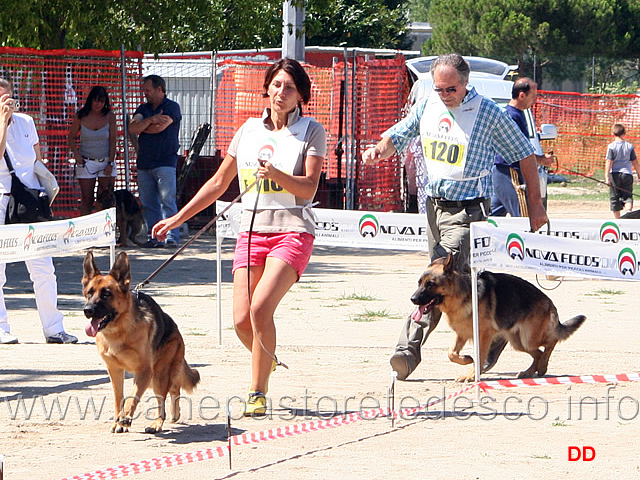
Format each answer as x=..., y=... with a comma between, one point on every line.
x=440, y=91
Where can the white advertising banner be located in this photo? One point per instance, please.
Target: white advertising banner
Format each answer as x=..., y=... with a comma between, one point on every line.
x=25, y=241
x=602, y=230
x=581, y=248
x=350, y=228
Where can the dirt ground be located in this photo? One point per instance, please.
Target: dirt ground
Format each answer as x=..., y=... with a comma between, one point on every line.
x=336, y=331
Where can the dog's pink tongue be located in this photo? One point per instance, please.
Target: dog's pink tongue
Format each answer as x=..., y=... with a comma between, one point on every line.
x=92, y=328
x=417, y=315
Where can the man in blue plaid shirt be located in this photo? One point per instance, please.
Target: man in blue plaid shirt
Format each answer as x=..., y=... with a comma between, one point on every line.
x=461, y=132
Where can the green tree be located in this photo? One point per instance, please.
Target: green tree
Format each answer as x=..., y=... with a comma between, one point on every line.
x=521, y=30
x=552, y=27
x=169, y=25
x=193, y=25
x=615, y=88
x=419, y=10
x=357, y=23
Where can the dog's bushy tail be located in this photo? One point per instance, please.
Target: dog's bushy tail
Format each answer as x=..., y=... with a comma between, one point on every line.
x=190, y=377
x=566, y=329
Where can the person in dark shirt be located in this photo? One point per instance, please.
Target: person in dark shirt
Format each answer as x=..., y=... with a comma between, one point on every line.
x=157, y=123
x=508, y=184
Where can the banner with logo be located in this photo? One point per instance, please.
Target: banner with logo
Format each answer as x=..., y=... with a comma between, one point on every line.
x=602, y=230
x=25, y=241
x=582, y=248
x=349, y=228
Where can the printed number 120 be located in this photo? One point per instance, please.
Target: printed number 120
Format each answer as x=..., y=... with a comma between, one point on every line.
x=445, y=152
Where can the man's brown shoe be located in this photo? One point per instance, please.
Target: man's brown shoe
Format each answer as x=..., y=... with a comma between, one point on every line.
x=403, y=363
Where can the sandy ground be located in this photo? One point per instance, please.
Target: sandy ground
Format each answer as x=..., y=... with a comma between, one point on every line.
x=336, y=331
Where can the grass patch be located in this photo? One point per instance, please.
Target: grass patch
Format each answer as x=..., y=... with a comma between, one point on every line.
x=581, y=188
x=541, y=457
x=559, y=423
x=608, y=291
x=195, y=332
x=371, y=316
x=586, y=197
x=308, y=286
x=604, y=291
x=357, y=296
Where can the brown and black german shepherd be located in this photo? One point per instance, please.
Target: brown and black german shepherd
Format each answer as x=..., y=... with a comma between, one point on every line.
x=508, y=306
x=129, y=218
x=133, y=334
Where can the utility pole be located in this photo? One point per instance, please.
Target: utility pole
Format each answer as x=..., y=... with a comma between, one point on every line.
x=292, y=30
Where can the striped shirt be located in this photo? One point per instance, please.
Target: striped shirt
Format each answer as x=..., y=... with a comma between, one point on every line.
x=494, y=132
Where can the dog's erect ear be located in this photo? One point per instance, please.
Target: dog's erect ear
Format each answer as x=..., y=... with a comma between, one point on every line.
x=450, y=262
x=121, y=271
x=90, y=269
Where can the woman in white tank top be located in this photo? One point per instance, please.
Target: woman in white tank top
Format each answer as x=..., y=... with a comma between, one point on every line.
x=95, y=155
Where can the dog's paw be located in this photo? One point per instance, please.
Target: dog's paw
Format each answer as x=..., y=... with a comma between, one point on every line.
x=155, y=427
x=121, y=425
x=466, y=378
x=117, y=428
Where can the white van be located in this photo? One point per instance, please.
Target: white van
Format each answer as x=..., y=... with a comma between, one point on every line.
x=488, y=78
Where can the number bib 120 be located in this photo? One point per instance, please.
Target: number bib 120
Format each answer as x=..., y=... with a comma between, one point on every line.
x=445, y=152
x=445, y=137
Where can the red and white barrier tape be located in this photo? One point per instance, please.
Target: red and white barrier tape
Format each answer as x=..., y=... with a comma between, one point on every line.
x=530, y=382
x=406, y=412
x=316, y=425
x=252, y=438
x=151, y=465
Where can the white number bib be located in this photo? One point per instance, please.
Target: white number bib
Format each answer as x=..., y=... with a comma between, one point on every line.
x=282, y=149
x=445, y=137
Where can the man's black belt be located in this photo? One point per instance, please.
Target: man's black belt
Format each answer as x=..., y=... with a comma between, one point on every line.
x=441, y=202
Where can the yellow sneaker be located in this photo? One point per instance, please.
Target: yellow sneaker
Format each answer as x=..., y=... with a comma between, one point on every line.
x=256, y=405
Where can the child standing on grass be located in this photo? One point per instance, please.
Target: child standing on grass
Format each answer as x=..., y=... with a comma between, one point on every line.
x=617, y=172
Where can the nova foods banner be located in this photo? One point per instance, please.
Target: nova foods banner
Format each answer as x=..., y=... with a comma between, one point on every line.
x=582, y=248
x=25, y=241
x=350, y=228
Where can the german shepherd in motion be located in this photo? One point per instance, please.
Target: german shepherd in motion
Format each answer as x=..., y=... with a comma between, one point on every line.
x=133, y=334
x=508, y=306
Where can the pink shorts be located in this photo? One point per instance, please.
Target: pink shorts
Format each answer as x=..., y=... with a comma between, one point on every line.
x=293, y=248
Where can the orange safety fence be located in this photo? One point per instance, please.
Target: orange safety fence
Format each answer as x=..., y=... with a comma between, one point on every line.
x=52, y=85
x=376, y=103
x=584, y=124
x=239, y=96
x=382, y=93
